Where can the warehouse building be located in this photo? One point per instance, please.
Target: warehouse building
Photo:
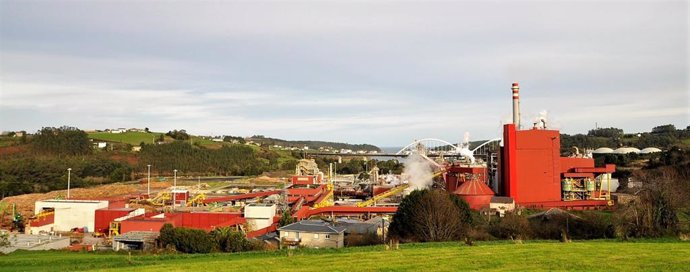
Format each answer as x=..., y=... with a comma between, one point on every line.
x=312, y=233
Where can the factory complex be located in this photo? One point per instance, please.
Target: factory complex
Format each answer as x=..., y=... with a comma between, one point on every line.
x=524, y=169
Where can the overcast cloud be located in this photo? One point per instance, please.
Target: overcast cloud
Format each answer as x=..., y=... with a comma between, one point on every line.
x=361, y=72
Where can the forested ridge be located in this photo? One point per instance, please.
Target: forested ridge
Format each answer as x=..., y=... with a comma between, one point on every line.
x=39, y=163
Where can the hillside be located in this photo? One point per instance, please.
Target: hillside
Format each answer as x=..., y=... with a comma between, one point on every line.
x=130, y=137
x=312, y=144
x=606, y=255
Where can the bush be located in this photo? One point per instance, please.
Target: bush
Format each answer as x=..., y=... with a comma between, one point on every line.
x=585, y=225
x=185, y=240
x=430, y=215
x=366, y=239
x=227, y=240
x=651, y=215
x=512, y=226
x=4, y=239
x=167, y=236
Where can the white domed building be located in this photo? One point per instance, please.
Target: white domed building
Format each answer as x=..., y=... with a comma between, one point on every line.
x=626, y=150
x=602, y=150
x=650, y=150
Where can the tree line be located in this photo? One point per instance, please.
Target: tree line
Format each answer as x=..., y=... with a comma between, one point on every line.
x=263, y=140
x=42, y=166
x=227, y=160
x=663, y=137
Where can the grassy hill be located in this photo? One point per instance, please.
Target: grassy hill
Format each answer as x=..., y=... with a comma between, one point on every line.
x=504, y=256
x=133, y=138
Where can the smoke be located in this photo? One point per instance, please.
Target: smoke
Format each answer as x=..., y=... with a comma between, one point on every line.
x=545, y=118
x=418, y=172
x=465, y=148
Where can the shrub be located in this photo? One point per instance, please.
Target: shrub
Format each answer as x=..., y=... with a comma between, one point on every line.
x=227, y=240
x=185, y=240
x=430, y=215
x=167, y=236
x=4, y=239
x=512, y=226
x=366, y=239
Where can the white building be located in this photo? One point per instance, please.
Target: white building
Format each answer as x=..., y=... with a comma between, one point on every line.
x=259, y=216
x=71, y=214
x=312, y=233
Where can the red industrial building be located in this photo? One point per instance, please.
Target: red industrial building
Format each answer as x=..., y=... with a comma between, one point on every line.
x=532, y=171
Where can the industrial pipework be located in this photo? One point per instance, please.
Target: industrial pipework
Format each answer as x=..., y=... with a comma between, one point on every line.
x=516, y=105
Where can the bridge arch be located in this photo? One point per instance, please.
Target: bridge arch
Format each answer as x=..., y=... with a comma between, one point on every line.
x=426, y=142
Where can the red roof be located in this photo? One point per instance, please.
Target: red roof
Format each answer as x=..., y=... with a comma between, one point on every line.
x=242, y=196
x=474, y=187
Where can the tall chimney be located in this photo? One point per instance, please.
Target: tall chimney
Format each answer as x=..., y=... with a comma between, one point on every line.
x=516, y=105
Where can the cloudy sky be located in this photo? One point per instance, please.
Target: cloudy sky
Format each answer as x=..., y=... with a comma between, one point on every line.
x=355, y=71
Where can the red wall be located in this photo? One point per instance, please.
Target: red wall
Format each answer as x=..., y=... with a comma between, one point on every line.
x=538, y=170
x=105, y=216
x=509, y=163
x=117, y=203
x=303, y=180
x=143, y=225
x=44, y=220
x=203, y=220
x=567, y=164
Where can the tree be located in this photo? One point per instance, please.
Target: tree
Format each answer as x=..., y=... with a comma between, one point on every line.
x=431, y=215
x=179, y=134
x=185, y=240
x=68, y=141
x=167, y=235
x=286, y=218
x=665, y=129
x=4, y=239
x=228, y=240
x=233, y=139
x=606, y=132
x=146, y=129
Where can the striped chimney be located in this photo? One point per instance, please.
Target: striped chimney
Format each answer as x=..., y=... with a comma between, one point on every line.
x=516, y=105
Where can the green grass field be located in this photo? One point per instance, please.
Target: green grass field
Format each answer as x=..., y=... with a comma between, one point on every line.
x=496, y=256
x=133, y=138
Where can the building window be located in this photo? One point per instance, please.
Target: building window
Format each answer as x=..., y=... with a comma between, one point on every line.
x=316, y=236
x=328, y=236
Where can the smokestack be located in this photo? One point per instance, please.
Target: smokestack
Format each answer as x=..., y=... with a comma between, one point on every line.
x=516, y=105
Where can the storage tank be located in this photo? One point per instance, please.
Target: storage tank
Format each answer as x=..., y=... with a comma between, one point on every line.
x=476, y=193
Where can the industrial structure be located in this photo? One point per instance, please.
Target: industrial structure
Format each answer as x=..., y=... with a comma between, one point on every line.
x=522, y=168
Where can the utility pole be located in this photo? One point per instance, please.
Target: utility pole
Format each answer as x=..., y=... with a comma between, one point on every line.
x=174, y=189
x=69, y=179
x=148, y=188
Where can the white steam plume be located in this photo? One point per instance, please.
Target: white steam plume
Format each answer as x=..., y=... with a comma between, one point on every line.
x=418, y=172
x=465, y=148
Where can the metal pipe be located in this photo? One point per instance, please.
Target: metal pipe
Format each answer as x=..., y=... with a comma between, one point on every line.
x=516, y=105
x=148, y=181
x=69, y=179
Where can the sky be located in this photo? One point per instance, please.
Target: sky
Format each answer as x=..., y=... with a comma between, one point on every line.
x=378, y=72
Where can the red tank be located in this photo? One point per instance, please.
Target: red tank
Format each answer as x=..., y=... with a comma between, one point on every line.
x=475, y=193
x=379, y=189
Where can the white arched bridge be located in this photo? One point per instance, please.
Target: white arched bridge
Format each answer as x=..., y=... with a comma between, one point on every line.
x=432, y=147
x=439, y=147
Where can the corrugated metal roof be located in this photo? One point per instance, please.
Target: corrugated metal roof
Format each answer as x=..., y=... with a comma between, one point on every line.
x=313, y=226
x=137, y=236
x=602, y=150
